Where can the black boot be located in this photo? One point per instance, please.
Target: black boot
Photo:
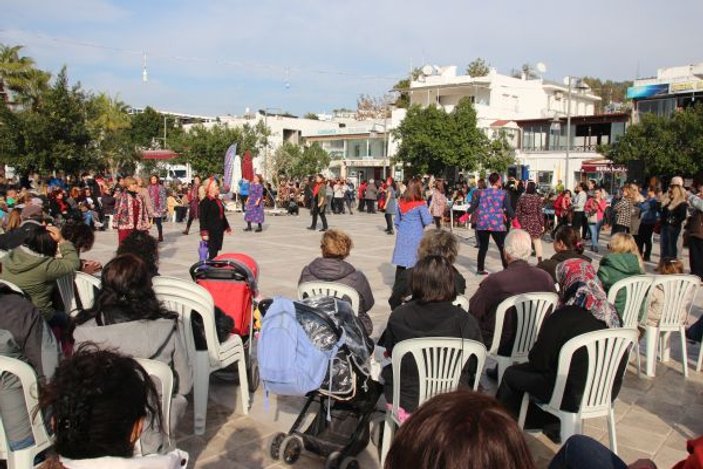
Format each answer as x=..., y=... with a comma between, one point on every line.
x=259, y=229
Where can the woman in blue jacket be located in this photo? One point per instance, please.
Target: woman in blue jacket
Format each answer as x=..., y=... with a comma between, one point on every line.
x=411, y=218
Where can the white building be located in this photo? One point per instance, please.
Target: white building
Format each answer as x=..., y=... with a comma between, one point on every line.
x=283, y=127
x=673, y=88
x=501, y=101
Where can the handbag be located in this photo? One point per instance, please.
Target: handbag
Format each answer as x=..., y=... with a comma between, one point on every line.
x=203, y=250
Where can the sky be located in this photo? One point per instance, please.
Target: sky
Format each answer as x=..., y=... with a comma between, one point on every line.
x=223, y=56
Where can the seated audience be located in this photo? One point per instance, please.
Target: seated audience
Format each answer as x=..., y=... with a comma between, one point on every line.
x=567, y=245
x=27, y=337
x=583, y=452
x=667, y=266
x=332, y=267
x=100, y=402
x=14, y=238
x=145, y=247
x=623, y=260
x=518, y=277
x=83, y=238
x=433, y=243
x=34, y=268
x=460, y=430
x=430, y=313
x=583, y=308
x=127, y=316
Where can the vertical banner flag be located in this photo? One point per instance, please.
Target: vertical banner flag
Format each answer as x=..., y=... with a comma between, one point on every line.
x=229, y=167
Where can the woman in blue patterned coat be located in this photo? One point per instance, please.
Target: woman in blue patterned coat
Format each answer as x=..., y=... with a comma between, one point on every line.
x=255, y=204
x=411, y=218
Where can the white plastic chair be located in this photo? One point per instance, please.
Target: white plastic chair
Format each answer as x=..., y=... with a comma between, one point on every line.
x=184, y=286
x=336, y=290
x=531, y=309
x=164, y=384
x=79, y=283
x=605, y=349
x=86, y=285
x=440, y=361
x=636, y=289
x=462, y=302
x=24, y=458
x=217, y=356
x=12, y=286
x=678, y=289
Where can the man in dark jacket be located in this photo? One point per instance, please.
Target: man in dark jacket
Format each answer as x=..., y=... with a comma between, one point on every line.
x=15, y=238
x=518, y=277
x=24, y=335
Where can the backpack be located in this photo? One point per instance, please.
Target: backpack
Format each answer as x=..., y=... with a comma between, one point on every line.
x=289, y=363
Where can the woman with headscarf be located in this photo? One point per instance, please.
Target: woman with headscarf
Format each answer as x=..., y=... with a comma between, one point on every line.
x=583, y=308
x=213, y=222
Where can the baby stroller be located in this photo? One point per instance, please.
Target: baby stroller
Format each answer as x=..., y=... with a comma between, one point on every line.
x=342, y=407
x=231, y=279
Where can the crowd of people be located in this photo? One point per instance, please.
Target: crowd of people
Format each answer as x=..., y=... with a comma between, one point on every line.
x=84, y=362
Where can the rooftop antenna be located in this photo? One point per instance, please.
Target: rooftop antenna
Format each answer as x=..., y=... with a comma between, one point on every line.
x=145, y=75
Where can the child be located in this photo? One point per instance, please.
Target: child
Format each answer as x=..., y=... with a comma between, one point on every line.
x=171, y=203
x=667, y=266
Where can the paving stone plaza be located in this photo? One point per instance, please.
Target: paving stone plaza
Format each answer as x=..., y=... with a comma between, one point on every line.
x=655, y=417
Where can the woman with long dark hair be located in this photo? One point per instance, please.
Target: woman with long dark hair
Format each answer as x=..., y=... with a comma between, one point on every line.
x=127, y=316
x=100, y=401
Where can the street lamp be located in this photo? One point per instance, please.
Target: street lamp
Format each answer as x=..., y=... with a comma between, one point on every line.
x=580, y=86
x=266, y=153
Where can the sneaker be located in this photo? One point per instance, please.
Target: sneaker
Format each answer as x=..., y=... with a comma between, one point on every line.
x=258, y=230
x=323, y=229
x=313, y=228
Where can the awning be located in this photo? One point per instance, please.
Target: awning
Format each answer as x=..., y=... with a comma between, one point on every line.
x=602, y=166
x=159, y=155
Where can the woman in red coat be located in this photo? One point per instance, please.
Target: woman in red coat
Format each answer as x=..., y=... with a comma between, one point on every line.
x=130, y=211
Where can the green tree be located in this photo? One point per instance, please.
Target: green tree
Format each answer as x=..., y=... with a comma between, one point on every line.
x=204, y=148
x=284, y=160
x=666, y=145
x=313, y=160
x=21, y=83
x=432, y=139
x=478, y=68
x=311, y=115
x=611, y=92
x=53, y=135
x=109, y=124
x=498, y=156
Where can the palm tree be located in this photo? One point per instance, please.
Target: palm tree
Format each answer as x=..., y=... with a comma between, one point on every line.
x=19, y=78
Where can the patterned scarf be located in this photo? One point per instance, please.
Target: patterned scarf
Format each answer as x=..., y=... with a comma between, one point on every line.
x=581, y=286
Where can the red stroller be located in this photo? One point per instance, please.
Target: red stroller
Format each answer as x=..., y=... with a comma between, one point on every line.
x=231, y=279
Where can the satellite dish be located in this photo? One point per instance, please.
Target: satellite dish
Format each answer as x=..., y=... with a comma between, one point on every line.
x=427, y=70
x=541, y=68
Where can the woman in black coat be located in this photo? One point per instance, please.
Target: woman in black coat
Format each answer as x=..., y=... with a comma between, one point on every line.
x=213, y=222
x=584, y=308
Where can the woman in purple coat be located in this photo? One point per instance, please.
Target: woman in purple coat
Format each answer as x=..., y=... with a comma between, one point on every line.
x=411, y=218
x=255, y=204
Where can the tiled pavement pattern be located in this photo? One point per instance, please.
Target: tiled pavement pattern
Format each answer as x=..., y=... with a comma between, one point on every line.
x=654, y=417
